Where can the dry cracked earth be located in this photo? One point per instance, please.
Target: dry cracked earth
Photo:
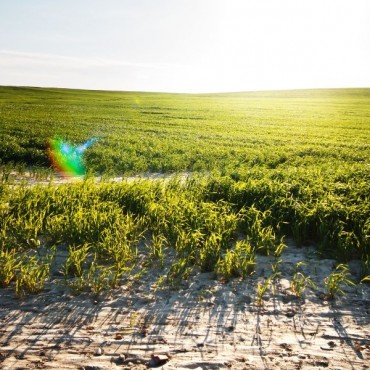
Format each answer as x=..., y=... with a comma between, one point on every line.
x=205, y=324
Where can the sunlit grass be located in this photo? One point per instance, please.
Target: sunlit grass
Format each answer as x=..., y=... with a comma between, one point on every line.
x=269, y=165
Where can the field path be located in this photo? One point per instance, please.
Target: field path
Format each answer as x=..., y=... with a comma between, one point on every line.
x=30, y=179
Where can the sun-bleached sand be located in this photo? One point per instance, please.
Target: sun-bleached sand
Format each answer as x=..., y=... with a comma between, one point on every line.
x=205, y=324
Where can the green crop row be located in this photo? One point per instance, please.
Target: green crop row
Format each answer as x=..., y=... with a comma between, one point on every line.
x=208, y=222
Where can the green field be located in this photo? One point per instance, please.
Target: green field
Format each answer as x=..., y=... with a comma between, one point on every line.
x=142, y=132
x=262, y=167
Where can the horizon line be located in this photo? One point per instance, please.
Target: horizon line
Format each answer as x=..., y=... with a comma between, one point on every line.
x=185, y=93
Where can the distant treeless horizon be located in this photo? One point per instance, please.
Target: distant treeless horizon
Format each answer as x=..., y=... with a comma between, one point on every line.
x=236, y=92
x=185, y=46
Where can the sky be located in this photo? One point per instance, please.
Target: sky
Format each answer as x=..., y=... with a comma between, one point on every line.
x=189, y=46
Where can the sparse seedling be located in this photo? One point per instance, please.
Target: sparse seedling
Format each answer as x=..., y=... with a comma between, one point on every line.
x=261, y=291
x=276, y=265
x=335, y=281
x=299, y=281
x=98, y=278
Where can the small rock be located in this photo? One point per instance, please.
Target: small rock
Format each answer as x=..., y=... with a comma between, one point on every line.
x=120, y=360
x=98, y=352
x=158, y=360
x=122, y=357
x=290, y=313
x=286, y=346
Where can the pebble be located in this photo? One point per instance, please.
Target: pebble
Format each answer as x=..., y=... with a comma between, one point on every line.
x=290, y=313
x=158, y=360
x=98, y=352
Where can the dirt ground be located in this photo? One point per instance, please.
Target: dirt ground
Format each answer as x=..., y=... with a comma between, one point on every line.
x=206, y=324
x=58, y=179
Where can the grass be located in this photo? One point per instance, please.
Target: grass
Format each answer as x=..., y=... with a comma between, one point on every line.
x=141, y=132
x=299, y=281
x=336, y=279
x=263, y=166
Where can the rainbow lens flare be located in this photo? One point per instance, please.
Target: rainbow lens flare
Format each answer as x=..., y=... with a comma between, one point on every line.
x=66, y=158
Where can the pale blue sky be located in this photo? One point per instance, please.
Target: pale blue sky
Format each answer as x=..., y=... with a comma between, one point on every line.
x=185, y=45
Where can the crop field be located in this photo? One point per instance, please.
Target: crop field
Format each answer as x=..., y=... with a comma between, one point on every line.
x=260, y=168
x=202, y=231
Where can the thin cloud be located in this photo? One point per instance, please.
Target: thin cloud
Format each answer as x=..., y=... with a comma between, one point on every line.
x=50, y=70
x=11, y=58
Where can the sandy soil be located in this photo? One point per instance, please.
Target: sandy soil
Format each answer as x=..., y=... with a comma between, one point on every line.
x=28, y=179
x=206, y=324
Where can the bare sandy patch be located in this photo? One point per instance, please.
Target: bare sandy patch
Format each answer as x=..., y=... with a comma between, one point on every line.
x=206, y=324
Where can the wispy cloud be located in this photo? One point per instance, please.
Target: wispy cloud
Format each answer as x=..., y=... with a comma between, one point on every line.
x=19, y=58
x=11, y=58
x=42, y=69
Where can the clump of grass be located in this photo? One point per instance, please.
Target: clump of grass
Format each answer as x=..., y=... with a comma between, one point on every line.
x=178, y=273
x=118, y=246
x=76, y=258
x=156, y=250
x=32, y=274
x=209, y=253
x=237, y=261
x=9, y=263
x=99, y=278
x=93, y=280
x=336, y=279
x=299, y=281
